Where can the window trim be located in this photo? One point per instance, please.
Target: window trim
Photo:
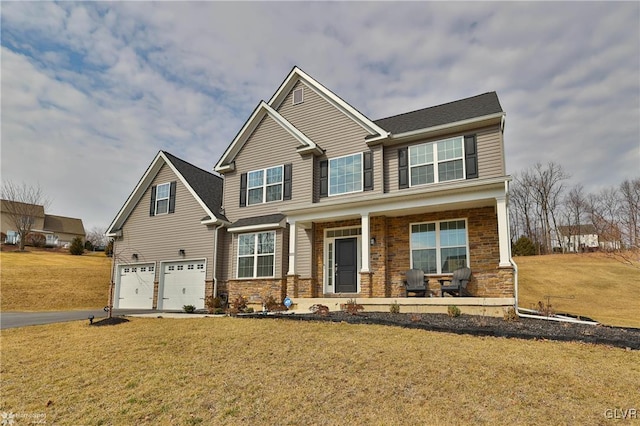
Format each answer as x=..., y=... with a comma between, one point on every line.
x=255, y=255
x=264, y=185
x=358, y=154
x=158, y=199
x=436, y=161
x=438, y=247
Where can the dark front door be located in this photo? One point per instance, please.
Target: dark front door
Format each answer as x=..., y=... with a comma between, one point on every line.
x=346, y=265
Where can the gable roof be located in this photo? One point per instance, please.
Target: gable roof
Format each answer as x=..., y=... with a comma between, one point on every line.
x=568, y=230
x=475, y=110
x=204, y=186
x=67, y=225
x=8, y=206
x=263, y=109
x=483, y=105
x=297, y=74
x=306, y=145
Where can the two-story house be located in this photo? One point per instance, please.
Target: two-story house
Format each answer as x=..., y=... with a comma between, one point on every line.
x=322, y=202
x=325, y=202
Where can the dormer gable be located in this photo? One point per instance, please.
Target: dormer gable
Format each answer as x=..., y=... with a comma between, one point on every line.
x=226, y=162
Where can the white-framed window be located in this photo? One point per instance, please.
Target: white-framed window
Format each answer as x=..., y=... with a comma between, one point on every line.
x=298, y=96
x=256, y=254
x=438, y=161
x=345, y=174
x=439, y=247
x=162, y=198
x=264, y=186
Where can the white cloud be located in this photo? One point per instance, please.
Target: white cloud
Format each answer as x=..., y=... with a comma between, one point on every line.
x=96, y=89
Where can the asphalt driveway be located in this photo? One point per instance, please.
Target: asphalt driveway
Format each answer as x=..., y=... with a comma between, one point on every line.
x=21, y=319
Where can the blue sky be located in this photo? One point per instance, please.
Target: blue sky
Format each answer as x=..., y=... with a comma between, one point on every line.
x=91, y=91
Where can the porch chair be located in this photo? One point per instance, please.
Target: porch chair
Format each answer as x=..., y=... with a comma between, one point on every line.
x=416, y=283
x=457, y=284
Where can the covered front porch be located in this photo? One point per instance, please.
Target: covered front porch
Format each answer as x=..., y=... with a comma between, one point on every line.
x=365, y=248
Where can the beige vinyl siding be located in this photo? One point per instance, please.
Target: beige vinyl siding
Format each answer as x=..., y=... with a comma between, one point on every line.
x=328, y=127
x=158, y=238
x=304, y=244
x=489, y=147
x=269, y=145
x=490, y=152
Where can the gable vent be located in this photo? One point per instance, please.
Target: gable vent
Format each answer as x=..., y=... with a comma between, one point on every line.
x=298, y=96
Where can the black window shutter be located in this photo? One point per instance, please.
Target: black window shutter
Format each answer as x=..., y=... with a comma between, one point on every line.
x=324, y=178
x=172, y=197
x=471, y=156
x=243, y=190
x=403, y=168
x=368, y=170
x=152, y=207
x=288, y=180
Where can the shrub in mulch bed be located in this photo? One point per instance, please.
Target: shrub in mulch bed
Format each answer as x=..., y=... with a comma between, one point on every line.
x=524, y=328
x=110, y=321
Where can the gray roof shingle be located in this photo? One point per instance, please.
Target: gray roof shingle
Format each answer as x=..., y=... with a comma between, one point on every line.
x=270, y=219
x=207, y=185
x=463, y=109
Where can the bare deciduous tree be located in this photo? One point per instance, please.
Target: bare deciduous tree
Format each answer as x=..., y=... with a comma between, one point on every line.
x=630, y=211
x=96, y=236
x=23, y=204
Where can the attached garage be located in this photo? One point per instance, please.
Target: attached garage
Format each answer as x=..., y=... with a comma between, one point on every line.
x=135, y=286
x=182, y=283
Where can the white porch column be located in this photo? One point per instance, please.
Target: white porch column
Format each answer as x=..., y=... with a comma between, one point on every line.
x=503, y=231
x=292, y=248
x=364, y=219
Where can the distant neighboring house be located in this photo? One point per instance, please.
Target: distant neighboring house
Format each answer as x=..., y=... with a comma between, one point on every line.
x=578, y=238
x=58, y=230
x=165, y=237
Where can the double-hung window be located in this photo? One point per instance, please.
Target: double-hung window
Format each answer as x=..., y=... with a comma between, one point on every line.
x=439, y=247
x=264, y=186
x=256, y=254
x=437, y=161
x=345, y=174
x=162, y=198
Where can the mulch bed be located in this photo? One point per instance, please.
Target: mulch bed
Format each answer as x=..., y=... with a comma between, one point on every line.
x=523, y=328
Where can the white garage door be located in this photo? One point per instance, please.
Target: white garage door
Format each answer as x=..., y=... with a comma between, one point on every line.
x=136, y=287
x=183, y=284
